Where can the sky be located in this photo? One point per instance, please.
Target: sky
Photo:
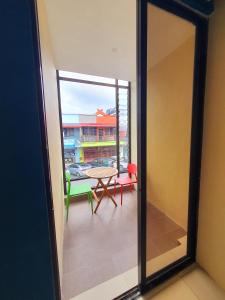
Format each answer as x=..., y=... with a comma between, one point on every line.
x=80, y=98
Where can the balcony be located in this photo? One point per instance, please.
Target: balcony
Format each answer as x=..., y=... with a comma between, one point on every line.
x=94, y=138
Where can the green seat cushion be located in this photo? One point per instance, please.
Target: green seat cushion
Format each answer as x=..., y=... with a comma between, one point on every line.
x=79, y=189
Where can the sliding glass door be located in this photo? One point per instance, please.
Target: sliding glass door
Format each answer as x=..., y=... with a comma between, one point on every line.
x=171, y=68
x=170, y=72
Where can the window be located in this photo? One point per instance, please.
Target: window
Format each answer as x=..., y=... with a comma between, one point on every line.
x=95, y=121
x=92, y=131
x=68, y=132
x=89, y=131
x=110, y=131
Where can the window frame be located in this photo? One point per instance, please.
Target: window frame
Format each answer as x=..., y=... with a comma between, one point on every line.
x=117, y=86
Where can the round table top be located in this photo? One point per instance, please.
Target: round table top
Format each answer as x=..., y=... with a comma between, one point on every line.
x=101, y=172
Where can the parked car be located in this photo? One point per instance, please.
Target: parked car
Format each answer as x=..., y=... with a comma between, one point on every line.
x=95, y=163
x=69, y=157
x=102, y=162
x=123, y=165
x=78, y=169
x=108, y=162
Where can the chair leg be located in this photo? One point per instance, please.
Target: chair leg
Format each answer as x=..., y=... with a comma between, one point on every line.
x=90, y=200
x=67, y=207
x=121, y=194
x=67, y=211
x=131, y=188
x=92, y=210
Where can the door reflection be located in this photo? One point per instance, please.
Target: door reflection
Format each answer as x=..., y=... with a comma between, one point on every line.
x=171, y=44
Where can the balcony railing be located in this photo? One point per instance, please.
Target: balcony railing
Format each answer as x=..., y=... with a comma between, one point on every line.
x=91, y=138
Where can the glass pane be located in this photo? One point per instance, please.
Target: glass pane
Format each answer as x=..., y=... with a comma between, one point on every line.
x=171, y=45
x=123, y=129
x=89, y=126
x=86, y=77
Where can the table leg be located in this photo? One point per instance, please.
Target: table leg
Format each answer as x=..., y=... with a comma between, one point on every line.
x=96, y=187
x=105, y=191
x=100, y=199
x=95, y=196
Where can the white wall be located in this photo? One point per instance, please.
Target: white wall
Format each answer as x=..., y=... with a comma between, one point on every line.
x=169, y=110
x=53, y=128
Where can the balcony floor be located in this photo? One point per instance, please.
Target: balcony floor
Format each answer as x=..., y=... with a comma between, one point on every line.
x=101, y=246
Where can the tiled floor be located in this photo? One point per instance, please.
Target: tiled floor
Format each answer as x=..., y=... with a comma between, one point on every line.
x=99, y=247
x=191, y=284
x=195, y=285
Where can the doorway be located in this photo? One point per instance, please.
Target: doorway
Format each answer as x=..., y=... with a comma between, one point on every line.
x=147, y=211
x=95, y=126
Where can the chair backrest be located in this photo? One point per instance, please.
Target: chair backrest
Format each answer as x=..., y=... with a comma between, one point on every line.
x=132, y=170
x=68, y=182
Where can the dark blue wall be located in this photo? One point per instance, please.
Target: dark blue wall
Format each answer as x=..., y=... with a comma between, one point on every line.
x=26, y=257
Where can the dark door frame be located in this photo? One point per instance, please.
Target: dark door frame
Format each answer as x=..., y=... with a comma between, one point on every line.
x=201, y=25
x=145, y=284
x=45, y=148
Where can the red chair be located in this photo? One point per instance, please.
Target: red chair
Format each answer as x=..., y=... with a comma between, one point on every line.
x=125, y=181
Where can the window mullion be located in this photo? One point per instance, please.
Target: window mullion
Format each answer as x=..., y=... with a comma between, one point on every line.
x=117, y=128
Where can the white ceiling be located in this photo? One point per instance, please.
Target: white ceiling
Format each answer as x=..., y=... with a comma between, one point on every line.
x=166, y=32
x=98, y=37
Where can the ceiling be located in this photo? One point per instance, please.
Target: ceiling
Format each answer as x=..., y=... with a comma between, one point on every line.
x=98, y=37
x=166, y=32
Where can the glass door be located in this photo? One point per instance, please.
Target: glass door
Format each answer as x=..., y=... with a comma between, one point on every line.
x=171, y=68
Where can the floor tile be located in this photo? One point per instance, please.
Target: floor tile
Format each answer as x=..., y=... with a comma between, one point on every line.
x=100, y=246
x=177, y=291
x=203, y=286
x=194, y=284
